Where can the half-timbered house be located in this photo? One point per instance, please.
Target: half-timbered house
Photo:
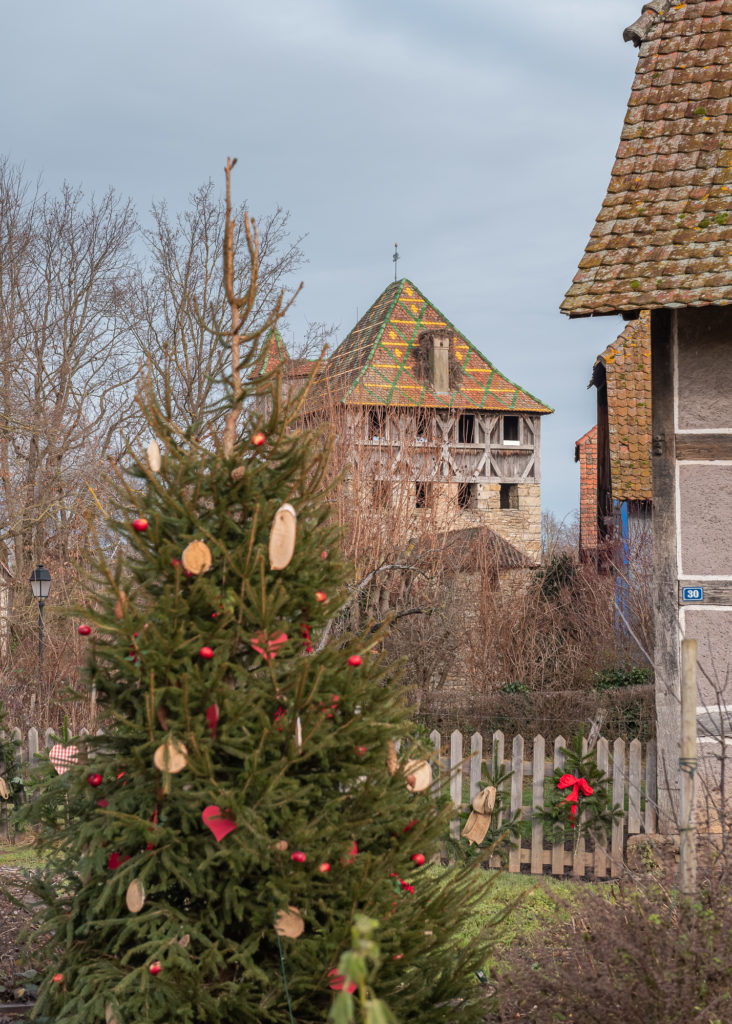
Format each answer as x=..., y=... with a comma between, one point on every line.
x=662, y=242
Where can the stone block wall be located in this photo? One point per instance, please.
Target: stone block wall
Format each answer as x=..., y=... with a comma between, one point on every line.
x=519, y=526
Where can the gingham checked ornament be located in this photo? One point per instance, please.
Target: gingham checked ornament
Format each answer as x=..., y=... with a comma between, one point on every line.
x=62, y=757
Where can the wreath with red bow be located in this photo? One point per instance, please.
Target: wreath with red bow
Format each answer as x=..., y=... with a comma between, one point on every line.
x=580, y=803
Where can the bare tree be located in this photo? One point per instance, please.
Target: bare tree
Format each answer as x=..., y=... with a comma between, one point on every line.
x=68, y=373
x=184, y=309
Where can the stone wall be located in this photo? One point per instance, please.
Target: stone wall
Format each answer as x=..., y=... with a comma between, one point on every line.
x=520, y=526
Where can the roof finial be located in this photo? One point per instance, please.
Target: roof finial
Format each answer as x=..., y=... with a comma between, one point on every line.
x=395, y=258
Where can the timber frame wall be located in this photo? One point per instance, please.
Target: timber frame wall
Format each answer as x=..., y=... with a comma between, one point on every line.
x=431, y=444
x=692, y=531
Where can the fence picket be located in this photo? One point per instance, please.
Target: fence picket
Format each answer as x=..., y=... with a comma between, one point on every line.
x=602, y=860
x=616, y=844
x=476, y=764
x=580, y=845
x=650, y=820
x=537, y=826
x=634, y=789
x=498, y=758
x=558, y=848
x=517, y=797
x=456, y=779
x=32, y=743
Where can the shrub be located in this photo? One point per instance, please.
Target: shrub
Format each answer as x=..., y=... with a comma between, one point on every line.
x=627, y=959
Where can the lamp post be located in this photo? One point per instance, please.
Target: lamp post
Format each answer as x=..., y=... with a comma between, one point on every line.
x=40, y=582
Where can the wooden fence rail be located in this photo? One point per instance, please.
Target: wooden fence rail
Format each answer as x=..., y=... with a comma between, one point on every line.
x=631, y=770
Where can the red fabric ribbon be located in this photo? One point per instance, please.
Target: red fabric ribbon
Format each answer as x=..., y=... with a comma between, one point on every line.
x=577, y=784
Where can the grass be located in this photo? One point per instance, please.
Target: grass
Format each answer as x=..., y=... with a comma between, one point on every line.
x=534, y=902
x=20, y=854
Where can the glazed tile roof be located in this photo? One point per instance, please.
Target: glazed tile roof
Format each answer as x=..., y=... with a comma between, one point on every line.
x=374, y=364
x=664, y=234
x=628, y=374
x=274, y=352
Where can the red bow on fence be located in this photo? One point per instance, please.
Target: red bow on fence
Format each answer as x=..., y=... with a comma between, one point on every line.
x=577, y=784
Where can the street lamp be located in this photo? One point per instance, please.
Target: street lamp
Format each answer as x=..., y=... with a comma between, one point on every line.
x=40, y=582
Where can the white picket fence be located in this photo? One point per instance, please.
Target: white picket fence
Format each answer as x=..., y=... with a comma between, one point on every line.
x=632, y=771
x=625, y=764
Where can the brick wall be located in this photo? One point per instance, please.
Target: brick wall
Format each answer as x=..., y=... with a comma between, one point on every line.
x=586, y=455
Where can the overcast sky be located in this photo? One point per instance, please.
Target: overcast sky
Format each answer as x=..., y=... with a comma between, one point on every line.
x=478, y=135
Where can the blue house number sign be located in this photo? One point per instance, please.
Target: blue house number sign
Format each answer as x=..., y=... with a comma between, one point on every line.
x=692, y=593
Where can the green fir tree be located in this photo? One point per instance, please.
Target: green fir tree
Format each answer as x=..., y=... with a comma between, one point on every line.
x=246, y=778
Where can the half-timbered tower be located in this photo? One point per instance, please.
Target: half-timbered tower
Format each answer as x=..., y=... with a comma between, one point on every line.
x=423, y=407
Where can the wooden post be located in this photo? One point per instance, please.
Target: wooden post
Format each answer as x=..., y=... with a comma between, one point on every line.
x=687, y=769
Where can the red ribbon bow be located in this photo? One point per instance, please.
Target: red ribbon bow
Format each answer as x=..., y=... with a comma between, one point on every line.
x=577, y=784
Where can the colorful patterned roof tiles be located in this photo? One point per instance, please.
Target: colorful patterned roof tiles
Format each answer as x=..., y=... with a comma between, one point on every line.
x=664, y=234
x=376, y=363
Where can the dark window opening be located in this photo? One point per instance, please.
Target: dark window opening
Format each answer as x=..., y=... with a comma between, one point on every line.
x=422, y=423
x=380, y=492
x=509, y=496
x=511, y=428
x=377, y=422
x=422, y=494
x=466, y=429
x=465, y=495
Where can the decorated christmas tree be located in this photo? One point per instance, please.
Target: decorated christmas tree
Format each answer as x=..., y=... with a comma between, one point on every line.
x=253, y=796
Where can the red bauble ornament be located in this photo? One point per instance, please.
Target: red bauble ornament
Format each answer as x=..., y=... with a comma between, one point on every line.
x=321, y=596
x=58, y=978
x=324, y=867
x=84, y=630
x=258, y=439
x=102, y=803
x=298, y=856
x=323, y=554
x=95, y=779
x=155, y=967
x=206, y=653
x=361, y=751
x=419, y=859
x=139, y=525
x=355, y=660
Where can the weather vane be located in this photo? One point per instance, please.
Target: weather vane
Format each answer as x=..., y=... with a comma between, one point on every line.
x=395, y=258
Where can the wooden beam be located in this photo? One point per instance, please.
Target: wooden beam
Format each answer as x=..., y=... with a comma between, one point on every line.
x=703, y=446
x=665, y=568
x=713, y=592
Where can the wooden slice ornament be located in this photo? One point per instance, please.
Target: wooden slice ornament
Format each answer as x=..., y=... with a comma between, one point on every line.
x=154, y=458
x=392, y=761
x=282, y=537
x=196, y=558
x=184, y=941
x=4, y=791
x=171, y=756
x=419, y=776
x=135, y=896
x=289, y=923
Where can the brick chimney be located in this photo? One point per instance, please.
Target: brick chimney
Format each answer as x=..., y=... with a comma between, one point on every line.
x=440, y=361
